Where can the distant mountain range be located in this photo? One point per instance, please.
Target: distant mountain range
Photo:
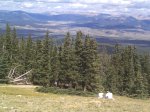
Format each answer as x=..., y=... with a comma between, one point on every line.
x=102, y=21
x=100, y=26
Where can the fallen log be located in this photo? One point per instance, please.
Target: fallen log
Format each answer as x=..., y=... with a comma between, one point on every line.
x=21, y=78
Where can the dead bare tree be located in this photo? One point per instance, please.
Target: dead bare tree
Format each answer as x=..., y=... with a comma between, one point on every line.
x=11, y=72
x=21, y=79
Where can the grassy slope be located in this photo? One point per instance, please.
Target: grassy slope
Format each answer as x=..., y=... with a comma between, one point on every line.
x=25, y=99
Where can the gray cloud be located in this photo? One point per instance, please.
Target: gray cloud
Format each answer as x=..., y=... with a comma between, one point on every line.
x=145, y=5
x=79, y=6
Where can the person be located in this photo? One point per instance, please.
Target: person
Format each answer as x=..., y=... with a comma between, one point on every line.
x=109, y=95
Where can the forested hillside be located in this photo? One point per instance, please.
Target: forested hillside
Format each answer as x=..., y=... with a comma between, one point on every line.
x=76, y=64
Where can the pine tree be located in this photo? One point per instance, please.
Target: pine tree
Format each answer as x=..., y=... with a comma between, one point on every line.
x=8, y=39
x=140, y=82
x=67, y=62
x=45, y=62
x=78, y=56
x=37, y=68
x=3, y=69
x=7, y=45
x=74, y=67
x=28, y=63
x=145, y=68
x=105, y=70
x=60, y=60
x=1, y=43
x=129, y=73
x=90, y=65
x=15, y=47
x=95, y=66
x=22, y=54
x=117, y=70
x=55, y=66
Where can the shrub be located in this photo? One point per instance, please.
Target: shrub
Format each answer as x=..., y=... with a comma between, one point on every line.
x=56, y=90
x=4, y=81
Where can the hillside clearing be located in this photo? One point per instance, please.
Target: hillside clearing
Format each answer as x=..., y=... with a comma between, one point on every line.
x=26, y=99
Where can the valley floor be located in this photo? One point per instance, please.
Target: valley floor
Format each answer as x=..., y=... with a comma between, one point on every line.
x=26, y=99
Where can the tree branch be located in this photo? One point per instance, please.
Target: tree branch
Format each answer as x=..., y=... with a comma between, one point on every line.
x=23, y=74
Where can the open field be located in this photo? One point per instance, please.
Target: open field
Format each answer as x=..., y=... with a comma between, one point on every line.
x=26, y=99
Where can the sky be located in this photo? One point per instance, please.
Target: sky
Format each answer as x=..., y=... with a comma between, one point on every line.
x=139, y=7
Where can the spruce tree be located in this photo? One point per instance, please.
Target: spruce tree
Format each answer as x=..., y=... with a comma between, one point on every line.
x=145, y=68
x=3, y=69
x=37, y=67
x=22, y=54
x=67, y=61
x=28, y=53
x=78, y=56
x=117, y=70
x=15, y=46
x=90, y=65
x=129, y=73
x=45, y=62
x=141, y=89
x=7, y=47
x=55, y=66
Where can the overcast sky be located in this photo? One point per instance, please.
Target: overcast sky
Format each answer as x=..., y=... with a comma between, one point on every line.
x=140, y=7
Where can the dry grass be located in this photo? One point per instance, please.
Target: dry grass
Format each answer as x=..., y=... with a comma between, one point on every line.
x=25, y=99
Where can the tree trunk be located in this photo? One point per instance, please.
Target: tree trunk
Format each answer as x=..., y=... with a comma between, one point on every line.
x=84, y=88
x=76, y=86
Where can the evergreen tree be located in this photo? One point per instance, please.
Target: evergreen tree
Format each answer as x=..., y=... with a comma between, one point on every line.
x=28, y=60
x=15, y=46
x=78, y=56
x=105, y=70
x=37, y=68
x=90, y=65
x=95, y=66
x=67, y=62
x=141, y=89
x=145, y=66
x=55, y=66
x=7, y=47
x=45, y=62
x=1, y=44
x=3, y=69
x=22, y=52
x=8, y=39
x=117, y=70
x=129, y=73
x=60, y=56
